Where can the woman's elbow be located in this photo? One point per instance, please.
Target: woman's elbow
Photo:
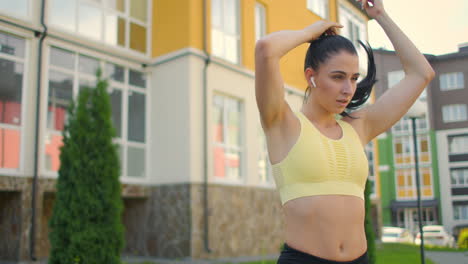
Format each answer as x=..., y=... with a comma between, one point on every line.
x=430, y=74
x=263, y=49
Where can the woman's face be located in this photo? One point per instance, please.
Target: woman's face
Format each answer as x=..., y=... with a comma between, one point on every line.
x=336, y=81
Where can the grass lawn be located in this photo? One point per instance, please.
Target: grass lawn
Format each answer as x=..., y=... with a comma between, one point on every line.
x=386, y=254
x=398, y=254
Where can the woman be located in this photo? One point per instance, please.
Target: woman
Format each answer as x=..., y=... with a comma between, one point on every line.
x=319, y=163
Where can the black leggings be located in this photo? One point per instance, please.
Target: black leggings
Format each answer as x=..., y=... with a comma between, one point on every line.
x=292, y=256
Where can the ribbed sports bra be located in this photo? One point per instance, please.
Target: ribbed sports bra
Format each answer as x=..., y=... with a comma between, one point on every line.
x=318, y=165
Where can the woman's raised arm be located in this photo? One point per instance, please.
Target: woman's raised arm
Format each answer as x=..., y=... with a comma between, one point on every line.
x=269, y=87
x=396, y=101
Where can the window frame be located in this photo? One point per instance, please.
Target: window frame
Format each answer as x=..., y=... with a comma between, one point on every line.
x=240, y=150
x=445, y=81
x=312, y=6
x=105, y=12
x=222, y=31
x=260, y=29
x=123, y=143
x=20, y=171
x=411, y=172
x=451, y=137
x=465, y=176
x=27, y=17
x=450, y=111
x=263, y=156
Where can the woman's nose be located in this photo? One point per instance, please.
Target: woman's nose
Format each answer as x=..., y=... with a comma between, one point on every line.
x=347, y=88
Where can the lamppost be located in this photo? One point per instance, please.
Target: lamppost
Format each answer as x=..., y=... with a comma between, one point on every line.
x=418, y=110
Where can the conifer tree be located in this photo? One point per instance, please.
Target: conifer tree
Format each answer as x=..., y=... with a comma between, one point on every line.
x=86, y=225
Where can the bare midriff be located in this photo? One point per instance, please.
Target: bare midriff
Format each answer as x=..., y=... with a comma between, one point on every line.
x=326, y=226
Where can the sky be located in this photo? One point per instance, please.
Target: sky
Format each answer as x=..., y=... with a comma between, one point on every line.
x=435, y=27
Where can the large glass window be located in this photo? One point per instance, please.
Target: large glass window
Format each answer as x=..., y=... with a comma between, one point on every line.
x=458, y=144
x=16, y=8
x=260, y=21
x=454, y=113
x=404, y=149
x=460, y=211
x=121, y=23
x=12, y=64
x=227, y=141
x=354, y=26
x=406, y=183
x=320, y=7
x=225, y=34
x=68, y=72
x=459, y=177
x=451, y=81
x=404, y=125
x=264, y=165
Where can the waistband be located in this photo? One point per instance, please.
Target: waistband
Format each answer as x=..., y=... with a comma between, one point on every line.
x=289, y=252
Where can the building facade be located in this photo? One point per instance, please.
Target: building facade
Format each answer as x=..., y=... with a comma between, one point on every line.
x=397, y=162
x=195, y=172
x=441, y=136
x=449, y=113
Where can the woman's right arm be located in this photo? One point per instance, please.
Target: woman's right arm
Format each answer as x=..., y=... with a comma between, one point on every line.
x=269, y=87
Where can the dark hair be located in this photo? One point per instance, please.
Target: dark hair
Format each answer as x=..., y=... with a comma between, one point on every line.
x=321, y=49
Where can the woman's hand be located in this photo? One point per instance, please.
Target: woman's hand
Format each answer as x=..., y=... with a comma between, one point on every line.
x=374, y=9
x=323, y=26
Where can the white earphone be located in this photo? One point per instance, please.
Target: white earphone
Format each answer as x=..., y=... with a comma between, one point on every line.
x=312, y=81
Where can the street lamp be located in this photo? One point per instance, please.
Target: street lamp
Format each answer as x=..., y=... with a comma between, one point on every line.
x=418, y=110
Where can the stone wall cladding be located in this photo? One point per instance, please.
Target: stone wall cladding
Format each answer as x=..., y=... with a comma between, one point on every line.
x=10, y=225
x=160, y=225
x=243, y=221
x=23, y=185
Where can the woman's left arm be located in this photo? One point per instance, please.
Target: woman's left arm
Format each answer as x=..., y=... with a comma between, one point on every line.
x=395, y=102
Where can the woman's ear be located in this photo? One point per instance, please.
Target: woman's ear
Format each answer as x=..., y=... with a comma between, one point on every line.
x=309, y=74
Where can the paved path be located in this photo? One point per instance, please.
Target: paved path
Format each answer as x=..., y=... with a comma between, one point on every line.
x=440, y=257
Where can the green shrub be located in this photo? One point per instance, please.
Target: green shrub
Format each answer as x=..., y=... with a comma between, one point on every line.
x=463, y=238
x=86, y=222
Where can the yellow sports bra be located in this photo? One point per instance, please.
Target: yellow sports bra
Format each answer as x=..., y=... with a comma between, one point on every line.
x=318, y=165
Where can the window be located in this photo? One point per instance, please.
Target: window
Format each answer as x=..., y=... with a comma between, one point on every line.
x=225, y=29
x=264, y=165
x=404, y=125
x=406, y=182
x=451, y=81
x=404, y=149
x=370, y=156
x=228, y=142
x=459, y=177
x=454, y=113
x=70, y=71
x=18, y=8
x=354, y=27
x=260, y=21
x=121, y=23
x=460, y=211
x=458, y=144
x=320, y=7
x=12, y=65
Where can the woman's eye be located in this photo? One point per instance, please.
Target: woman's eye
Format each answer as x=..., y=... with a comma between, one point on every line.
x=337, y=77
x=355, y=78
